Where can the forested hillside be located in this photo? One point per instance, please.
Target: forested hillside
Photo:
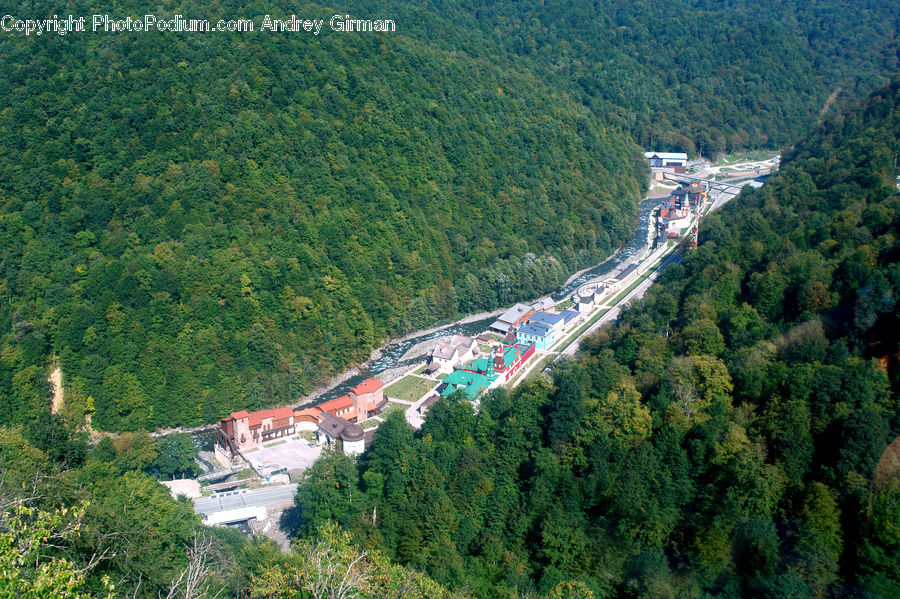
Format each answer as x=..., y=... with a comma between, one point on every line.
x=720, y=441
x=194, y=224
x=197, y=223
x=688, y=75
x=81, y=524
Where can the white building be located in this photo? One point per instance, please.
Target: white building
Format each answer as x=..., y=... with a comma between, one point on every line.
x=453, y=352
x=331, y=428
x=666, y=162
x=666, y=159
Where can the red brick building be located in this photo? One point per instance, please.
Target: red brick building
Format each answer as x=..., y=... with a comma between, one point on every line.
x=243, y=430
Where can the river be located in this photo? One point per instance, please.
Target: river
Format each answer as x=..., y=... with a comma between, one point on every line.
x=391, y=355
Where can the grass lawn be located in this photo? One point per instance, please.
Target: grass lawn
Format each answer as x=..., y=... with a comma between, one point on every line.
x=244, y=474
x=421, y=369
x=757, y=156
x=565, y=304
x=393, y=406
x=441, y=376
x=409, y=388
x=371, y=423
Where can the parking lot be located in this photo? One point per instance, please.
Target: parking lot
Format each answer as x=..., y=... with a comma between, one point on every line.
x=289, y=454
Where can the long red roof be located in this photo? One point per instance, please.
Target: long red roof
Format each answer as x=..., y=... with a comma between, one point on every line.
x=367, y=386
x=282, y=413
x=338, y=403
x=308, y=415
x=258, y=416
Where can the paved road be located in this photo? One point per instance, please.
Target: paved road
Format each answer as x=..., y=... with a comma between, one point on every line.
x=725, y=196
x=717, y=199
x=265, y=496
x=721, y=198
x=635, y=293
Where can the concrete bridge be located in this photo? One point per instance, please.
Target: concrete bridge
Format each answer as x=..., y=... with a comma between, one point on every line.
x=712, y=184
x=244, y=504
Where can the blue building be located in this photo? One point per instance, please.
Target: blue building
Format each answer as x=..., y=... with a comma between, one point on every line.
x=569, y=316
x=556, y=321
x=541, y=334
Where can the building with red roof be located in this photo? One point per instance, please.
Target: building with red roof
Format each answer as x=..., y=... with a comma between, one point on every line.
x=242, y=430
x=370, y=385
x=339, y=406
x=364, y=400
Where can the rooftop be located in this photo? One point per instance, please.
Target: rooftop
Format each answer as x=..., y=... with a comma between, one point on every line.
x=472, y=383
x=308, y=414
x=538, y=329
x=256, y=417
x=514, y=313
x=510, y=353
x=627, y=271
x=338, y=403
x=672, y=155
x=428, y=401
x=444, y=352
x=568, y=315
x=500, y=325
x=546, y=318
x=333, y=425
x=352, y=432
x=368, y=386
x=461, y=340
x=544, y=304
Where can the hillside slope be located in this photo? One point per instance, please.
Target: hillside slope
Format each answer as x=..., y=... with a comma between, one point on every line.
x=194, y=223
x=692, y=75
x=721, y=440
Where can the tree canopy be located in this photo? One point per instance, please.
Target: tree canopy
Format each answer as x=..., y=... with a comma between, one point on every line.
x=724, y=448
x=193, y=224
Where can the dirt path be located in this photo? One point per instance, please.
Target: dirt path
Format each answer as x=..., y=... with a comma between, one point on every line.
x=56, y=388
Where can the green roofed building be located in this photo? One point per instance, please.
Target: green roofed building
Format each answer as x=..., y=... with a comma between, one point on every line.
x=510, y=354
x=473, y=383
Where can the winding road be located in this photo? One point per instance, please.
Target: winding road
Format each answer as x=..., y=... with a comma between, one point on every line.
x=718, y=198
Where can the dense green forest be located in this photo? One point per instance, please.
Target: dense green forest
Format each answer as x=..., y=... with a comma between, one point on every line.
x=721, y=440
x=726, y=438
x=687, y=75
x=81, y=524
x=200, y=225
x=196, y=223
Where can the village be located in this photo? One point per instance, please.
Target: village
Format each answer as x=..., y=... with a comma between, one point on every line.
x=275, y=446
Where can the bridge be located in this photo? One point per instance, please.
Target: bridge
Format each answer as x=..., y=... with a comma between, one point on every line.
x=227, y=486
x=244, y=504
x=721, y=185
